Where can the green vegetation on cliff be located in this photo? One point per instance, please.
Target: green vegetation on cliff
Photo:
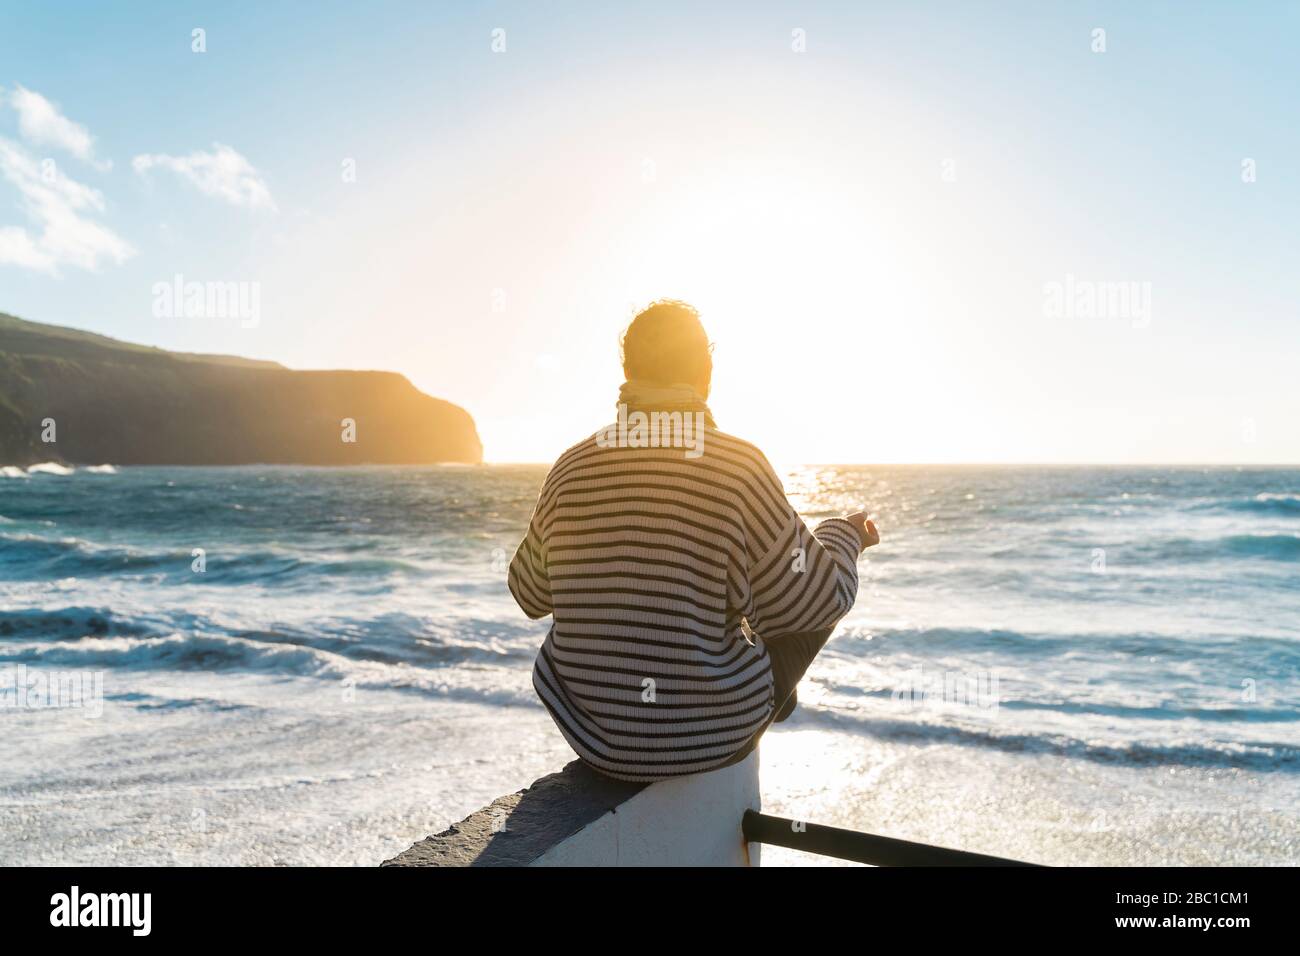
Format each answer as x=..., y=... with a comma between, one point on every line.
x=119, y=403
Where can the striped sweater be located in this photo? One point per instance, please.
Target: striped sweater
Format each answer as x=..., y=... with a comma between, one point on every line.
x=657, y=567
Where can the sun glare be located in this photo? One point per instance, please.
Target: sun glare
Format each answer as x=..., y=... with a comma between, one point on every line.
x=818, y=315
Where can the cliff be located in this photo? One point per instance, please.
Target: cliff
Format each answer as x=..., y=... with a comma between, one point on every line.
x=115, y=402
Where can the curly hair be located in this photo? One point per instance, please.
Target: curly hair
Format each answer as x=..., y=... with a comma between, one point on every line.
x=666, y=344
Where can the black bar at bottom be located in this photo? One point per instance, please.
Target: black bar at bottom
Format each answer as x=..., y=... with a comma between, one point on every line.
x=859, y=847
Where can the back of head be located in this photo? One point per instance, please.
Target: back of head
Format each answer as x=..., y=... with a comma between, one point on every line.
x=666, y=345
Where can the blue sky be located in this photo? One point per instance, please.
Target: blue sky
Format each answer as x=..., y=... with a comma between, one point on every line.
x=869, y=226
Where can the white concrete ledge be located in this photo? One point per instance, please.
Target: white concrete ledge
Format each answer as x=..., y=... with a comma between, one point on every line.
x=578, y=818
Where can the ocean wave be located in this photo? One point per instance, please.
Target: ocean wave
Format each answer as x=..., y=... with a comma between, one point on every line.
x=1270, y=547
x=1081, y=708
x=996, y=647
x=50, y=468
x=31, y=556
x=74, y=622
x=1264, y=503
x=1280, y=547
x=143, y=701
x=217, y=654
x=1242, y=755
x=195, y=639
x=935, y=640
x=177, y=652
x=55, y=468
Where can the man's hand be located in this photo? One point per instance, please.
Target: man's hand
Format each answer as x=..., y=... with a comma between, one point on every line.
x=866, y=529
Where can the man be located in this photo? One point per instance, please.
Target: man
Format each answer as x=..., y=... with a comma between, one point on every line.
x=661, y=546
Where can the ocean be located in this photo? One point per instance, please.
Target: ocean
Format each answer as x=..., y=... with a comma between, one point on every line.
x=287, y=665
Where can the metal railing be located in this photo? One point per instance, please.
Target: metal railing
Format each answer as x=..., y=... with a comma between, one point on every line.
x=859, y=847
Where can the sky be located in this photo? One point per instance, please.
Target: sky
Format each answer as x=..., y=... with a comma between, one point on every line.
x=923, y=232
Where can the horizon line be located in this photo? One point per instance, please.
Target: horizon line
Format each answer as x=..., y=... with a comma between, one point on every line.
x=1003, y=464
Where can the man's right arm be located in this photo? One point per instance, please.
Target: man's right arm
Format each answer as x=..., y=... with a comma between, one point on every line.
x=529, y=579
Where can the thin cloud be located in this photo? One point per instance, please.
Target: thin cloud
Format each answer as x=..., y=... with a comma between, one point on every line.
x=60, y=210
x=41, y=123
x=223, y=173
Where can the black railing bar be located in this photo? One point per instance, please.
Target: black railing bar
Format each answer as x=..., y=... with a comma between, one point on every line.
x=859, y=847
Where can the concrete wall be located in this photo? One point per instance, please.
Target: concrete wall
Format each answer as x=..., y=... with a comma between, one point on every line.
x=578, y=818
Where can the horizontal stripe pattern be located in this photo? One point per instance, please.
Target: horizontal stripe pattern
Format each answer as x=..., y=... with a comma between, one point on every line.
x=657, y=569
